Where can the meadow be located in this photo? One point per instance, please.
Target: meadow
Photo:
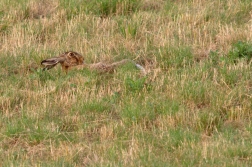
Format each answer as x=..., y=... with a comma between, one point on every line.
x=194, y=108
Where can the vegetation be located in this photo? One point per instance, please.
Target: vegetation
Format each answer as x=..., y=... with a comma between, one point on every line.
x=193, y=108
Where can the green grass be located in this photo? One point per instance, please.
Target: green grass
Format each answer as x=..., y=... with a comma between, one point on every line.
x=192, y=109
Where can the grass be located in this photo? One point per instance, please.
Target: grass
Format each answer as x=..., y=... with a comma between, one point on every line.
x=192, y=109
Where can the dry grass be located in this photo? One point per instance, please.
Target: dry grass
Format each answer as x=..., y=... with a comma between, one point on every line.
x=193, y=108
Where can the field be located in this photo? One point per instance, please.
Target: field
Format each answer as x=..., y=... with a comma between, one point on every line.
x=194, y=108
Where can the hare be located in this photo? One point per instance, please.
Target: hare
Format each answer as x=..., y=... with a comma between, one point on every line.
x=104, y=68
x=72, y=59
x=67, y=60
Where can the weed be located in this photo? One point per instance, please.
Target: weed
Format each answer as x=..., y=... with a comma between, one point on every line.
x=115, y=7
x=209, y=122
x=129, y=30
x=175, y=57
x=240, y=50
x=135, y=85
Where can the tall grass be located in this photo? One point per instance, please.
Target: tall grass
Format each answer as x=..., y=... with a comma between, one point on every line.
x=192, y=109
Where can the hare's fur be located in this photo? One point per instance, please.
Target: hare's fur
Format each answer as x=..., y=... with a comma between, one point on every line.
x=72, y=59
x=67, y=60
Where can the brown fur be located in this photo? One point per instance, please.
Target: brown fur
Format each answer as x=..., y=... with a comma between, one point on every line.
x=109, y=68
x=67, y=60
x=75, y=60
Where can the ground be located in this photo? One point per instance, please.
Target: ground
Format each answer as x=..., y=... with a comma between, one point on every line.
x=192, y=109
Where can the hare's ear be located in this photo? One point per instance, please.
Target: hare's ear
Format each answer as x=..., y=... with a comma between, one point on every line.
x=49, y=63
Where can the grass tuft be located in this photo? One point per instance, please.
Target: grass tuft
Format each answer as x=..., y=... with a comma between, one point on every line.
x=241, y=50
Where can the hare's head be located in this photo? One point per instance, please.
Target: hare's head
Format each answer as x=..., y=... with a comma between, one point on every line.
x=79, y=59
